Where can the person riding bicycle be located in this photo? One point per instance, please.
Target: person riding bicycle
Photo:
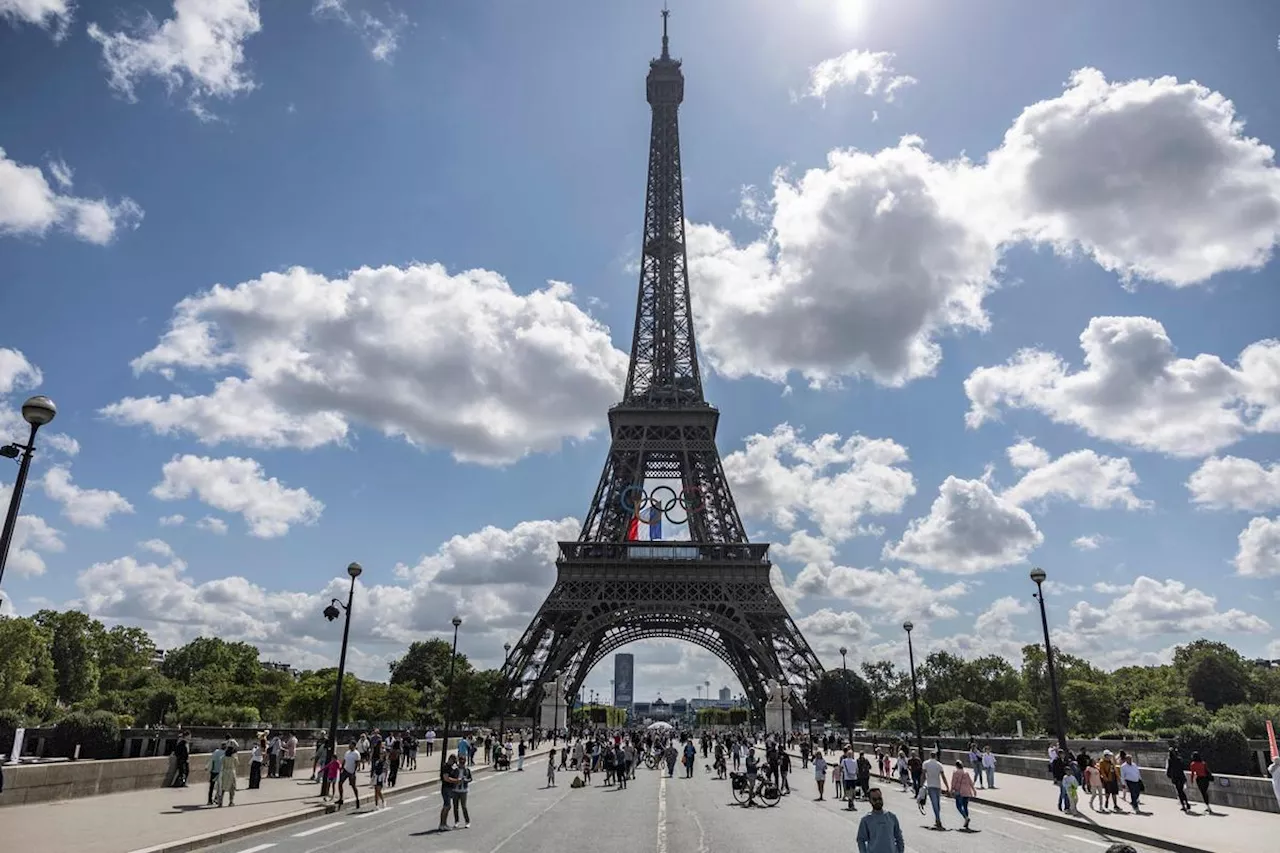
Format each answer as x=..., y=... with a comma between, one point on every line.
x=719, y=765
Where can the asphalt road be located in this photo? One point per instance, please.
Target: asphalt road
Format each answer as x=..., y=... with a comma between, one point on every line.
x=514, y=812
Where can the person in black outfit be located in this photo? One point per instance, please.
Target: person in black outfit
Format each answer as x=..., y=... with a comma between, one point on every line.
x=182, y=752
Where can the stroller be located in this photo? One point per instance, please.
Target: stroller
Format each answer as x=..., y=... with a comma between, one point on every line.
x=503, y=760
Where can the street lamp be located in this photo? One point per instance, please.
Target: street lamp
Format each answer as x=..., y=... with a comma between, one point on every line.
x=37, y=412
x=915, y=694
x=331, y=613
x=1038, y=575
x=502, y=723
x=448, y=694
x=847, y=721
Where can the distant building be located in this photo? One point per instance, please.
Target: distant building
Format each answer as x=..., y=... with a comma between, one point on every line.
x=726, y=694
x=624, y=680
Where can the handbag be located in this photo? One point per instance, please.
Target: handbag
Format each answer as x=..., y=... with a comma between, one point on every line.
x=1141, y=785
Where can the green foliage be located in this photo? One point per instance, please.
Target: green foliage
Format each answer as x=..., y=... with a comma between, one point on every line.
x=888, y=687
x=97, y=733
x=1167, y=712
x=1006, y=713
x=27, y=681
x=601, y=715
x=839, y=695
x=1222, y=745
x=1089, y=706
x=1215, y=681
x=10, y=722
x=961, y=717
x=942, y=678
x=74, y=644
x=1035, y=679
x=1251, y=719
x=900, y=719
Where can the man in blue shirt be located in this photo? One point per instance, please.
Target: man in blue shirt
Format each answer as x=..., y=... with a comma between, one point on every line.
x=878, y=832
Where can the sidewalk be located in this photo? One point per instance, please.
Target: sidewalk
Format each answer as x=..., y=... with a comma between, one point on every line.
x=140, y=820
x=1160, y=822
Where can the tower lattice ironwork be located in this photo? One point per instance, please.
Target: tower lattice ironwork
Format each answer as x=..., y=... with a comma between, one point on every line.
x=712, y=589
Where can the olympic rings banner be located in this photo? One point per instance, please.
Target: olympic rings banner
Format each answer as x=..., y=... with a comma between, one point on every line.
x=660, y=502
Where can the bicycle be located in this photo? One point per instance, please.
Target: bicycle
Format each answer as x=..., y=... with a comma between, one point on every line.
x=651, y=761
x=766, y=792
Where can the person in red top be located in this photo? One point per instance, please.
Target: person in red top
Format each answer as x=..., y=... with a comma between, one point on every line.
x=1200, y=773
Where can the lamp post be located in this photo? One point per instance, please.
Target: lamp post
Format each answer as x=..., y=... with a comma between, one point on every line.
x=915, y=694
x=448, y=694
x=502, y=722
x=845, y=680
x=1038, y=575
x=37, y=412
x=331, y=613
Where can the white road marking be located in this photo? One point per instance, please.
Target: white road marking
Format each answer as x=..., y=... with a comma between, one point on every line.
x=1023, y=823
x=374, y=812
x=258, y=849
x=318, y=829
x=1086, y=840
x=413, y=800
x=662, y=815
x=528, y=823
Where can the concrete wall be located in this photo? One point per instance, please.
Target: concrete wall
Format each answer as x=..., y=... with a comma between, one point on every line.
x=1241, y=792
x=69, y=780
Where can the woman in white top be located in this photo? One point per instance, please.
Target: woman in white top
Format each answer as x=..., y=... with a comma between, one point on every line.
x=255, y=764
x=820, y=772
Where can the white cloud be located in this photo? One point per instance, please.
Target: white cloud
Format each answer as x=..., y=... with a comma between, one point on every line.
x=171, y=520
x=1135, y=390
x=381, y=35
x=33, y=539
x=158, y=546
x=888, y=594
x=83, y=507
x=16, y=373
x=52, y=15
x=29, y=207
x=869, y=261
x=1259, y=554
x=1234, y=483
x=993, y=632
x=200, y=50
x=827, y=631
x=1149, y=607
x=832, y=482
x=1082, y=476
x=19, y=374
x=238, y=485
x=212, y=524
x=872, y=71
x=866, y=262
x=1026, y=455
x=1090, y=542
x=63, y=174
x=1151, y=178
x=968, y=529
x=457, y=361
x=805, y=548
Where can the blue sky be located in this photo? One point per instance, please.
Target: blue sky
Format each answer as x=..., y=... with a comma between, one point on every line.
x=852, y=294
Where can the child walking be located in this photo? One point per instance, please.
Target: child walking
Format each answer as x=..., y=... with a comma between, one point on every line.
x=551, y=769
x=379, y=780
x=330, y=777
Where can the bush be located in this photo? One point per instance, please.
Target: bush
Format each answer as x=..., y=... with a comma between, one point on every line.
x=1125, y=734
x=1251, y=718
x=1222, y=745
x=97, y=733
x=961, y=717
x=1162, y=712
x=10, y=722
x=1005, y=714
x=1167, y=733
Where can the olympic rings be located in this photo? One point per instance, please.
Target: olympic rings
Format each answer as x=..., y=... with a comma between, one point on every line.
x=634, y=498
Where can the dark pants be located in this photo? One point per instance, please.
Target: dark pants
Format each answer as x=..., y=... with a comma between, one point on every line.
x=184, y=770
x=273, y=764
x=393, y=771
x=255, y=774
x=1180, y=784
x=286, y=768
x=1203, y=784
x=213, y=781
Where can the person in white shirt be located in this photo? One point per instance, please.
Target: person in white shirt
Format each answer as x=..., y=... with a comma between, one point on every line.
x=1132, y=778
x=935, y=782
x=849, y=773
x=430, y=739
x=350, y=766
x=989, y=765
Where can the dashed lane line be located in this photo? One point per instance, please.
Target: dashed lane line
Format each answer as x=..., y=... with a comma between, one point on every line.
x=1023, y=823
x=327, y=826
x=372, y=812
x=259, y=848
x=1092, y=841
x=412, y=800
x=662, y=815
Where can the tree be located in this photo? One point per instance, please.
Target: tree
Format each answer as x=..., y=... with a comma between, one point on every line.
x=74, y=650
x=1166, y=712
x=885, y=682
x=990, y=679
x=1035, y=679
x=962, y=717
x=123, y=654
x=943, y=675
x=478, y=695
x=1007, y=713
x=901, y=719
x=228, y=663
x=1089, y=706
x=425, y=665
x=1214, y=680
x=838, y=694
x=27, y=682
x=310, y=699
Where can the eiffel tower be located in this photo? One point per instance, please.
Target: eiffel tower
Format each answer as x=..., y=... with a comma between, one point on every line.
x=713, y=589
